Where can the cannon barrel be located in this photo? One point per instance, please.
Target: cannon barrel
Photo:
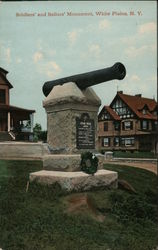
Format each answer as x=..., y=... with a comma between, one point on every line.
x=85, y=80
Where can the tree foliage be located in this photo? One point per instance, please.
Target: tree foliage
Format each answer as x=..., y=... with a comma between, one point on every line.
x=39, y=134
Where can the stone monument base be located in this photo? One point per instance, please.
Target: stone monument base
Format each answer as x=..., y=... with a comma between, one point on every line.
x=64, y=162
x=76, y=181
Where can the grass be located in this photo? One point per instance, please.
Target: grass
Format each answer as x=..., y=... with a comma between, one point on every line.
x=135, y=154
x=37, y=219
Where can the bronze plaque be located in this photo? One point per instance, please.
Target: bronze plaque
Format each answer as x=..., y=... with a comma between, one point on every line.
x=85, y=132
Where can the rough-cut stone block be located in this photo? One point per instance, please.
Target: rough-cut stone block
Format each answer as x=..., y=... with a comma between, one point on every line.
x=76, y=181
x=64, y=105
x=62, y=162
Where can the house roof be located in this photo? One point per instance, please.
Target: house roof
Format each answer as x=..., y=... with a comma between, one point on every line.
x=14, y=108
x=2, y=72
x=112, y=113
x=137, y=103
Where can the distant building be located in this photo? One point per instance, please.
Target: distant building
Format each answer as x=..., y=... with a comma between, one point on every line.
x=129, y=123
x=11, y=117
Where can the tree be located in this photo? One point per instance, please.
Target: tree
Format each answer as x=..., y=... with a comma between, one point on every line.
x=37, y=130
x=39, y=134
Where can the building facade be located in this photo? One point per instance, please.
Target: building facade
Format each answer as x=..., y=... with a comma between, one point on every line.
x=129, y=123
x=12, y=118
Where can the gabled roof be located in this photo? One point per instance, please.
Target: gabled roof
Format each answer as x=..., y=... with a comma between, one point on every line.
x=137, y=103
x=2, y=72
x=112, y=113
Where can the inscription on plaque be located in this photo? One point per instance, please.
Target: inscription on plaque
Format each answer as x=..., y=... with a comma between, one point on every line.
x=85, y=132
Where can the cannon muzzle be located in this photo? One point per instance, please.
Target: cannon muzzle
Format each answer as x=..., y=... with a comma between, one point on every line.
x=85, y=80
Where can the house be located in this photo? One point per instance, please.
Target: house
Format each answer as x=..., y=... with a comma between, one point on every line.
x=11, y=117
x=129, y=123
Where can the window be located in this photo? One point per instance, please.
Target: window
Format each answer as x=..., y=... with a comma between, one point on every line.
x=116, y=141
x=124, y=110
x=121, y=109
x=106, y=142
x=144, y=111
x=144, y=125
x=2, y=96
x=104, y=116
x=127, y=125
x=127, y=141
x=155, y=125
x=117, y=125
x=105, y=126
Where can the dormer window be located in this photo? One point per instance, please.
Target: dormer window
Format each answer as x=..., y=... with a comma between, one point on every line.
x=2, y=96
x=105, y=116
x=144, y=111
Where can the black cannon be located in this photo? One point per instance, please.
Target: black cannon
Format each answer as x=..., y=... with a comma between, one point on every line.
x=85, y=80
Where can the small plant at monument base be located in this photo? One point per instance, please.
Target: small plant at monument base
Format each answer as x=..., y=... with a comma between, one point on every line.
x=89, y=163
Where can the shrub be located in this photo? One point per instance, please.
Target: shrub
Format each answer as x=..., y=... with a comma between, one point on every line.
x=102, y=151
x=43, y=136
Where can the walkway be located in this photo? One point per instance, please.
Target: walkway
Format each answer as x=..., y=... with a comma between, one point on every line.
x=145, y=165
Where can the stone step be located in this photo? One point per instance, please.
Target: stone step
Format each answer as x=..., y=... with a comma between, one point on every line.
x=76, y=181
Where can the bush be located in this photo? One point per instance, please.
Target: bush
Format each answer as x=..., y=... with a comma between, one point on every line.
x=134, y=154
x=102, y=151
x=35, y=138
x=39, y=134
x=43, y=136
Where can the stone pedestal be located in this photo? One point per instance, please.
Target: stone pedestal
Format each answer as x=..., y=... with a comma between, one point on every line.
x=76, y=181
x=72, y=118
x=60, y=162
x=71, y=124
x=67, y=162
x=67, y=106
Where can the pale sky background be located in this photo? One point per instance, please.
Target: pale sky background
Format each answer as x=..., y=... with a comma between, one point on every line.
x=38, y=49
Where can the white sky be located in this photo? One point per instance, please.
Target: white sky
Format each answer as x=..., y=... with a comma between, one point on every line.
x=42, y=48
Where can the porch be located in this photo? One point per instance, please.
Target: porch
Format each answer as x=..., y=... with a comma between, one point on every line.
x=16, y=123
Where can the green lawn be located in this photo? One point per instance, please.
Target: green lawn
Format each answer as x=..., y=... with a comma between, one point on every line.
x=37, y=219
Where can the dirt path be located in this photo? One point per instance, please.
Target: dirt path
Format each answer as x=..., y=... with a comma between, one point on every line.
x=148, y=166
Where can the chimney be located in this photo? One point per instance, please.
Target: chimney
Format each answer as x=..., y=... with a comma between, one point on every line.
x=138, y=95
x=120, y=92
